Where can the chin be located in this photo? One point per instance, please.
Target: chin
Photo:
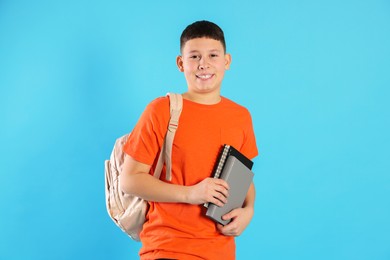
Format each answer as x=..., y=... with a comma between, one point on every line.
x=205, y=90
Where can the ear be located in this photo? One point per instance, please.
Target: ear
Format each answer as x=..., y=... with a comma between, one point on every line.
x=228, y=61
x=179, y=63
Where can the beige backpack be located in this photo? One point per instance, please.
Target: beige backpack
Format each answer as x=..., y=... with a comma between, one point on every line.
x=128, y=211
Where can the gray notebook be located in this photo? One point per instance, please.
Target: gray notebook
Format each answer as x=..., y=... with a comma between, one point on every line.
x=239, y=177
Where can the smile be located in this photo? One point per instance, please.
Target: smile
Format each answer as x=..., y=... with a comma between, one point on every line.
x=204, y=76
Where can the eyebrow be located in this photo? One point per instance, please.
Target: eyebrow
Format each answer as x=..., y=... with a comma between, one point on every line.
x=212, y=50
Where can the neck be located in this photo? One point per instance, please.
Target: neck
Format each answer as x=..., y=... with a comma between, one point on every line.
x=203, y=98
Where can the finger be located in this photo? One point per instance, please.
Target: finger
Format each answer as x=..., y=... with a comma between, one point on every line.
x=220, y=227
x=230, y=215
x=227, y=230
x=221, y=193
x=222, y=190
x=218, y=200
x=222, y=183
x=226, y=216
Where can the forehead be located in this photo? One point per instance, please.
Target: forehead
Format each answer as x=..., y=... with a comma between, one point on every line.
x=202, y=45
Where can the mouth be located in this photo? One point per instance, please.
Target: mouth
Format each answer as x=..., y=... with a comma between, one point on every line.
x=204, y=76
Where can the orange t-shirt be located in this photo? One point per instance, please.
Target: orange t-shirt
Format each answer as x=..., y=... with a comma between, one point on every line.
x=179, y=230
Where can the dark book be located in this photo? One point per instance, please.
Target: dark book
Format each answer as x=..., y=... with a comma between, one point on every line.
x=236, y=169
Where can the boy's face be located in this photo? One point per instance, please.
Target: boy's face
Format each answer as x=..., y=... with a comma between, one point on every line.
x=203, y=62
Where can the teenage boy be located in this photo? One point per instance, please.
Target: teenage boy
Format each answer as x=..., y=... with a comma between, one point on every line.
x=176, y=226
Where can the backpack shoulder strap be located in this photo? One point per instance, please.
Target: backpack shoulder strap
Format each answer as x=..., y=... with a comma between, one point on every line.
x=175, y=107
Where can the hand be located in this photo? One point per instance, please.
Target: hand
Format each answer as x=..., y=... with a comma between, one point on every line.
x=209, y=190
x=240, y=220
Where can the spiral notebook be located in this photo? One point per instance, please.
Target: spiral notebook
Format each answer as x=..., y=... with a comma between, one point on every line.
x=236, y=169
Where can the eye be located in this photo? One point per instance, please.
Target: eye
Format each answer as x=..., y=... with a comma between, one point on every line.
x=213, y=55
x=195, y=57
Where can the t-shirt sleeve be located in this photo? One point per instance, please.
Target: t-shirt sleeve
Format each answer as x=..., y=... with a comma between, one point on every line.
x=249, y=147
x=145, y=140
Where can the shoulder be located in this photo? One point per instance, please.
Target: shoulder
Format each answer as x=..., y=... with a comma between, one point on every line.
x=158, y=107
x=159, y=103
x=231, y=105
x=155, y=112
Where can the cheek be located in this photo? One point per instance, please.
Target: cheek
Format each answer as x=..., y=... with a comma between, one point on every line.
x=222, y=68
x=220, y=65
x=189, y=75
x=189, y=67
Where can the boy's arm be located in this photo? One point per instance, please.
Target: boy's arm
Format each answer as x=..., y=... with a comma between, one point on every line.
x=136, y=180
x=241, y=217
x=250, y=197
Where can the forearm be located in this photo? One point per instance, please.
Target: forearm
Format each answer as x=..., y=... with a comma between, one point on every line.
x=136, y=180
x=249, y=201
x=149, y=188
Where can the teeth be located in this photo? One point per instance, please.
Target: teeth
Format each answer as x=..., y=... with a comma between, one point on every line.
x=207, y=76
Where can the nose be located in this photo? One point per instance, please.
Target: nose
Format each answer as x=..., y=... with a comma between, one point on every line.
x=203, y=63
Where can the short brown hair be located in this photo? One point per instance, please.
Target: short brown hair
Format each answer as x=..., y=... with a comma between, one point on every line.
x=202, y=29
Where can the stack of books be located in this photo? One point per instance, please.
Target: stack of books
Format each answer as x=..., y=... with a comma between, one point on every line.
x=236, y=169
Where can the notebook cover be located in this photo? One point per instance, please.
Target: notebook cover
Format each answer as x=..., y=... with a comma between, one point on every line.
x=224, y=153
x=233, y=151
x=239, y=177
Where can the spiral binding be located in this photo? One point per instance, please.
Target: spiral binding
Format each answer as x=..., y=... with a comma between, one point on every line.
x=219, y=168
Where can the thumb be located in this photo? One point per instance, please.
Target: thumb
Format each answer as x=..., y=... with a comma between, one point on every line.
x=228, y=216
x=232, y=214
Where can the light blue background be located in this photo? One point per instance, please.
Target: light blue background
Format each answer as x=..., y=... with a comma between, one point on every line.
x=74, y=75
